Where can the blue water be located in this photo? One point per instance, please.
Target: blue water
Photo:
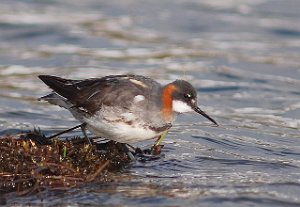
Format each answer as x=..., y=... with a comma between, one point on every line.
x=242, y=57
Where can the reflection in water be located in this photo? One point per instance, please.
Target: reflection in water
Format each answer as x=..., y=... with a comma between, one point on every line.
x=242, y=56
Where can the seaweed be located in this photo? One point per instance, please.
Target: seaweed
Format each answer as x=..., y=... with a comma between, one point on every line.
x=33, y=163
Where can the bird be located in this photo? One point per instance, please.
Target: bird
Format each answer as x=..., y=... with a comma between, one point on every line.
x=124, y=108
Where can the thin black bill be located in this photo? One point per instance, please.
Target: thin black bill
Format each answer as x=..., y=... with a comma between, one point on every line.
x=199, y=111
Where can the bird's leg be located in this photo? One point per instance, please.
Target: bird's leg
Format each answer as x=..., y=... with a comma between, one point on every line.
x=156, y=148
x=65, y=131
x=161, y=138
x=132, y=147
x=83, y=127
x=129, y=153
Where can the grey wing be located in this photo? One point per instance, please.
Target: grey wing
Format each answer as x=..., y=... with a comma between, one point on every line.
x=92, y=94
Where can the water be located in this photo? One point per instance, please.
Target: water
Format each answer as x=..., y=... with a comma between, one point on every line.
x=242, y=56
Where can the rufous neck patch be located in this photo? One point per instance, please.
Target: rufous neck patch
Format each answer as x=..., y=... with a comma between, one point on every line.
x=167, y=102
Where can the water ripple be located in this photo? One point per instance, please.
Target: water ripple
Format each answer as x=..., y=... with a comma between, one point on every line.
x=243, y=60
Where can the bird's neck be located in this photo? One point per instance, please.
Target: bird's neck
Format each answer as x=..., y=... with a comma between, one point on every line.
x=167, y=100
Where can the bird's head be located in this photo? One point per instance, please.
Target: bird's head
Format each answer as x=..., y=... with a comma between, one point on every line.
x=181, y=97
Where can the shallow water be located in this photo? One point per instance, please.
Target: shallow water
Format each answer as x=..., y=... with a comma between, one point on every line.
x=242, y=56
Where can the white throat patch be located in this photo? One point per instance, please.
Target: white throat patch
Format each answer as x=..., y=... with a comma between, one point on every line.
x=181, y=107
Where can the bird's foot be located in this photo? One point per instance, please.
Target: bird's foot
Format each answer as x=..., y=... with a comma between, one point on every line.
x=154, y=150
x=149, y=154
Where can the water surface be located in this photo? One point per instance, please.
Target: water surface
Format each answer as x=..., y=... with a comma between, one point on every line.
x=242, y=57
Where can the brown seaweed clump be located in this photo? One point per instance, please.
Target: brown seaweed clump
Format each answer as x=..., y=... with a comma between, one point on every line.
x=28, y=164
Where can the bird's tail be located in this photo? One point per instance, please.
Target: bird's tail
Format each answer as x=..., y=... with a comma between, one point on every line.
x=56, y=99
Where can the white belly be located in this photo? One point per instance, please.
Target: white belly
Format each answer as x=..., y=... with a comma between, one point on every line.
x=120, y=131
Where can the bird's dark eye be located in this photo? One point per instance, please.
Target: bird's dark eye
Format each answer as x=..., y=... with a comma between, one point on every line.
x=187, y=95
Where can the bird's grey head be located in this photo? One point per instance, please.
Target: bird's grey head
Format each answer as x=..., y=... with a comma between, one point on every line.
x=184, y=99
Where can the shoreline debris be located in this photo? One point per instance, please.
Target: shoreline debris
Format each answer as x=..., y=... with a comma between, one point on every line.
x=31, y=163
